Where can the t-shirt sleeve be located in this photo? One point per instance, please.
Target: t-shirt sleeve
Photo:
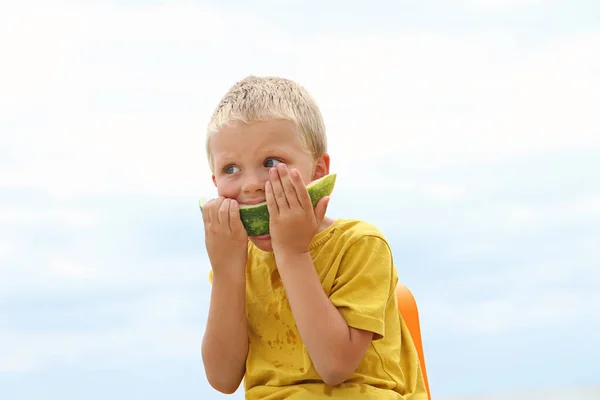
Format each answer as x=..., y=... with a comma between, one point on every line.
x=364, y=284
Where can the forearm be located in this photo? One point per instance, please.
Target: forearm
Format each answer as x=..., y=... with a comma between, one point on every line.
x=323, y=329
x=225, y=343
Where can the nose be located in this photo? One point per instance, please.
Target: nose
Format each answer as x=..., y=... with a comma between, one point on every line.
x=254, y=181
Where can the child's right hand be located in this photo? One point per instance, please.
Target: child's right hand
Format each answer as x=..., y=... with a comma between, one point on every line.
x=225, y=236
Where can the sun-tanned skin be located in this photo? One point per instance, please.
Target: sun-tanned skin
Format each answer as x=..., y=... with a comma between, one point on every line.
x=265, y=161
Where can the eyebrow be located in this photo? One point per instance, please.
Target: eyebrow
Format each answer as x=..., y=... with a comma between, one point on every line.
x=226, y=157
x=282, y=151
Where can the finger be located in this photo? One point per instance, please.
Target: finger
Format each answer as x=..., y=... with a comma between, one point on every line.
x=277, y=187
x=206, y=212
x=321, y=209
x=270, y=197
x=211, y=209
x=288, y=186
x=223, y=212
x=235, y=222
x=301, y=191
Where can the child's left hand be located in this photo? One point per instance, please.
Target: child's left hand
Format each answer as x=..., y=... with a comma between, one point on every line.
x=293, y=221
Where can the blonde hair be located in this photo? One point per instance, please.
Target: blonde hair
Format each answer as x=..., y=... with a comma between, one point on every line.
x=269, y=98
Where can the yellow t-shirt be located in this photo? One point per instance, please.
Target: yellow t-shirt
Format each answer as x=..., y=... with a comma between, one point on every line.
x=356, y=269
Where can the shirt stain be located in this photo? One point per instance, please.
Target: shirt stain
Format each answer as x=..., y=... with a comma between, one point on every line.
x=273, y=311
x=363, y=388
x=275, y=279
x=291, y=336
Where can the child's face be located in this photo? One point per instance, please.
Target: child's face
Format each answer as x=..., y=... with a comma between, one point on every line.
x=244, y=153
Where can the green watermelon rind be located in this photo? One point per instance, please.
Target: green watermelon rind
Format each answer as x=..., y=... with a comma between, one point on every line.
x=255, y=218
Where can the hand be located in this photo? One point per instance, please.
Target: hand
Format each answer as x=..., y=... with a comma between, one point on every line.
x=293, y=221
x=225, y=236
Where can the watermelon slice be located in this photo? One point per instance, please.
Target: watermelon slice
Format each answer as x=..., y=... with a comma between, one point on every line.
x=255, y=217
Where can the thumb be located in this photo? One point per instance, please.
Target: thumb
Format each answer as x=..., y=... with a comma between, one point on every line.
x=321, y=208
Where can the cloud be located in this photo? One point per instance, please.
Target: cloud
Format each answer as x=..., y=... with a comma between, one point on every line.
x=50, y=247
x=439, y=138
x=526, y=215
x=155, y=325
x=67, y=217
x=8, y=248
x=504, y=5
x=428, y=100
x=498, y=284
x=514, y=310
x=37, y=41
x=454, y=99
x=555, y=393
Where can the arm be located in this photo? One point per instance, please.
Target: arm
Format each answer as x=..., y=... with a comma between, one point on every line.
x=225, y=343
x=335, y=348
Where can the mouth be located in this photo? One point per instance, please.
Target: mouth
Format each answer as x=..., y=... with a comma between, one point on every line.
x=251, y=202
x=262, y=237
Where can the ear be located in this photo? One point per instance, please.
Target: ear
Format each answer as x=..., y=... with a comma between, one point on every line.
x=321, y=166
x=214, y=179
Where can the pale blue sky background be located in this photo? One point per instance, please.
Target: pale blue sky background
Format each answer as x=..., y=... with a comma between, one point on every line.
x=467, y=130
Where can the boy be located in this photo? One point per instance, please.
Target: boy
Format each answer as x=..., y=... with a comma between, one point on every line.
x=308, y=311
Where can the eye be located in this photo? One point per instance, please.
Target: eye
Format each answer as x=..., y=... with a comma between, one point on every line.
x=271, y=162
x=231, y=169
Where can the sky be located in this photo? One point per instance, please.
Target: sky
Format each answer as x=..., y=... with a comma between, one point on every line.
x=468, y=131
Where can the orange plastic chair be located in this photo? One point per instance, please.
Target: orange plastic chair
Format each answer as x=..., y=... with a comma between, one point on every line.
x=409, y=311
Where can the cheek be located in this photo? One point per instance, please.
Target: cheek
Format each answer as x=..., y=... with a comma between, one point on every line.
x=306, y=169
x=226, y=188
x=306, y=175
